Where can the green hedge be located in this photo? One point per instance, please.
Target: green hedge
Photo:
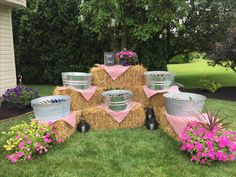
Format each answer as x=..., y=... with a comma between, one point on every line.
x=49, y=40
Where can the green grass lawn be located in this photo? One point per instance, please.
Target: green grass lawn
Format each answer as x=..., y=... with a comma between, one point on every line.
x=126, y=152
x=190, y=74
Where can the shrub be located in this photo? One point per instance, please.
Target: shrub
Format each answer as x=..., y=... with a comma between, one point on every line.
x=209, y=85
x=20, y=96
x=26, y=139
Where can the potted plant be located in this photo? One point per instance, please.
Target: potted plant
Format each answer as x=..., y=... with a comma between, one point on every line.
x=126, y=57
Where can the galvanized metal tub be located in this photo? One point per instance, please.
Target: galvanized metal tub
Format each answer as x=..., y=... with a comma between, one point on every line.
x=158, y=80
x=117, y=100
x=51, y=108
x=184, y=103
x=78, y=80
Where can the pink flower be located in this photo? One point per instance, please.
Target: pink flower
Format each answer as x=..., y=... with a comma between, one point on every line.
x=50, y=123
x=189, y=146
x=29, y=157
x=234, y=138
x=17, y=136
x=204, y=154
x=183, y=148
x=194, y=158
x=211, y=154
x=26, y=136
x=21, y=146
x=198, y=147
x=59, y=140
x=203, y=161
x=198, y=154
x=231, y=156
x=47, y=135
x=20, y=154
x=29, y=142
x=209, y=144
x=13, y=158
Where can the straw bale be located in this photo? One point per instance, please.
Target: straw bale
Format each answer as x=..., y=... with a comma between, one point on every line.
x=134, y=76
x=78, y=102
x=164, y=123
x=65, y=130
x=140, y=97
x=100, y=119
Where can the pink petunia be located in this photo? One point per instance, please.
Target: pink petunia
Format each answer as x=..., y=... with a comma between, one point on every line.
x=21, y=146
x=231, y=156
x=204, y=154
x=194, y=158
x=203, y=161
x=29, y=142
x=26, y=136
x=17, y=137
x=29, y=157
x=199, y=147
x=59, y=140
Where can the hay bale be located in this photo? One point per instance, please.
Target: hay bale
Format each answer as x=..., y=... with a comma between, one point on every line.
x=78, y=102
x=140, y=97
x=100, y=119
x=164, y=123
x=65, y=130
x=133, y=76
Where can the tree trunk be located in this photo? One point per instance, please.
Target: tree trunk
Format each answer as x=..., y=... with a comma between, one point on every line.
x=124, y=38
x=113, y=44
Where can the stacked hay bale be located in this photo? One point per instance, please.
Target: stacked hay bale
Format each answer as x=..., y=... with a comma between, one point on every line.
x=100, y=119
x=78, y=102
x=132, y=79
x=65, y=130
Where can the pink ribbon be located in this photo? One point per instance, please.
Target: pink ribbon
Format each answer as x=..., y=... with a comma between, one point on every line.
x=87, y=94
x=149, y=92
x=114, y=71
x=118, y=115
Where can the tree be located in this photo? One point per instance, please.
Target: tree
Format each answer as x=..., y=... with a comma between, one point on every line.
x=224, y=53
x=177, y=26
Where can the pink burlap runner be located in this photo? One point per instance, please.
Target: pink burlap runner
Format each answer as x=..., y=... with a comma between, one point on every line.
x=87, y=94
x=118, y=115
x=70, y=119
x=149, y=92
x=114, y=71
x=179, y=123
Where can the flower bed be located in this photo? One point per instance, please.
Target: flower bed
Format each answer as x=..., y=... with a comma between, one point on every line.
x=206, y=146
x=27, y=139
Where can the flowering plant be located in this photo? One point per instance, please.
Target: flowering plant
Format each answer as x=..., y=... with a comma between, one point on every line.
x=126, y=57
x=20, y=96
x=207, y=142
x=26, y=139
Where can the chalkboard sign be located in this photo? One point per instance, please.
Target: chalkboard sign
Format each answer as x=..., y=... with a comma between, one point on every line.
x=109, y=58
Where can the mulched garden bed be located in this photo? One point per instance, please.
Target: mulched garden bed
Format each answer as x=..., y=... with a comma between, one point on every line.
x=6, y=111
x=224, y=93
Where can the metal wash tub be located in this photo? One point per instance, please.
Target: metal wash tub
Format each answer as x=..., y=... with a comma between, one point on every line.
x=158, y=80
x=184, y=103
x=117, y=100
x=51, y=108
x=77, y=80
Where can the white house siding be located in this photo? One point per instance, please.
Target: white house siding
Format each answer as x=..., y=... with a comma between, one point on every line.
x=14, y=3
x=7, y=58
